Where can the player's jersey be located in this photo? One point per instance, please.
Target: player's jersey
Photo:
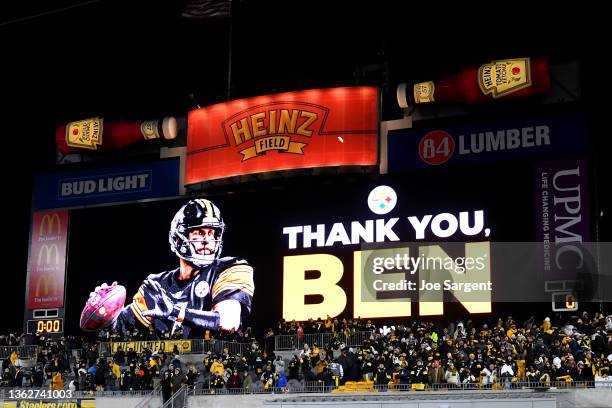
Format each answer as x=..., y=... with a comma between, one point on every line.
x=226, y=278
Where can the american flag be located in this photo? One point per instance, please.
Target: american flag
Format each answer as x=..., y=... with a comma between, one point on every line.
x=205, y=9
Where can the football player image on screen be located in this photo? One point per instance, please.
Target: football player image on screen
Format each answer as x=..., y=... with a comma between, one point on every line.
x=205, y=292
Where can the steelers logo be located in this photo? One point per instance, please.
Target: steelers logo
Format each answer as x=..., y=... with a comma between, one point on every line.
x=202, y=289
x=382, y=200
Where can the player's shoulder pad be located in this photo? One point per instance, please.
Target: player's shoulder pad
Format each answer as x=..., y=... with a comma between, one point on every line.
x=228, y=261
x=159, y=277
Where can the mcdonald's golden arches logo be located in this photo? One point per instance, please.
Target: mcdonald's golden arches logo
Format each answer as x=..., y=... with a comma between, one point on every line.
x=50, y=252
x=48, y=283
x=50, y=220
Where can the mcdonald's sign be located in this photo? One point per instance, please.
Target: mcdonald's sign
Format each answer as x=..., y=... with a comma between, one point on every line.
x=50, y=220
x=48, y=283
x=47, y=266
x=48, y=253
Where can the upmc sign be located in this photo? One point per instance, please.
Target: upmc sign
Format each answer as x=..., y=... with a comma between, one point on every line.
x=47, y=259
x=314, y=128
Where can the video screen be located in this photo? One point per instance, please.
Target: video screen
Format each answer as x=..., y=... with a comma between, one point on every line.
x=424, y=243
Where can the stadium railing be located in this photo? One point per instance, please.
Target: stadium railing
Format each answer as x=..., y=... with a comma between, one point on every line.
x=283, y=342
x=197, y=346
x=178, y=399
x=218, y=346
x=24, y=351
x=316, y=388
x=151, y=398
x=286, y=342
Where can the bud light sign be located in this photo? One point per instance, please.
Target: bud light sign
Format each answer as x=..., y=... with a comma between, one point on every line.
x=546, y=136
x=107, y=185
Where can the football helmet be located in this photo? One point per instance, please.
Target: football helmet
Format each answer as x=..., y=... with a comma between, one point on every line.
x=198, y=213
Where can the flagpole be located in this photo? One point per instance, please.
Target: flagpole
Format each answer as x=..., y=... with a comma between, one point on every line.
x=229, y=58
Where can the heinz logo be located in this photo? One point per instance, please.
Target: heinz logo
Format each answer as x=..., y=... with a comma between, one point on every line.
x=284, y=127
x=437, y=147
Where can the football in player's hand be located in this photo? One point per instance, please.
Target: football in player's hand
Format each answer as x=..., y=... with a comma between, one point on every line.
x=102, y=307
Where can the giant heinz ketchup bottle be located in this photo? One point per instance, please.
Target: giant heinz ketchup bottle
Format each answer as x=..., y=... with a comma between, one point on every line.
x=508, y=78
x=97, y=134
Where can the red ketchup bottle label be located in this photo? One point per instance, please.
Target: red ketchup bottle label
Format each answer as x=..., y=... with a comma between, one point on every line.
x=85, y=134
x=504, y=77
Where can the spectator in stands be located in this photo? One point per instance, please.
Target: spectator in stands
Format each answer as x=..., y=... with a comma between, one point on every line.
x=178, y=380
x=467, y=376
x=192, y=376
x=267, y=377
x=58, y=381
x=269, y=341
x=18, y=377
x=247, y=382
x=14, y=357
x=325, y=378
x=92, y=356
x=80, y=379
x=337, y=371
x=114, y=373
x=508, y=370
x=234, y=382
x=451, y=376
x=300, y=333
x=131, y=356
x=329, y=325
x=279, y=364
x=305, y=353
x=281, y=382
x=533, y=374
x=367, y=366
x=489, y=375
x=403, y=377
x=56, y=365
x=320, y=366
x=381, y=377
x=217, y=382
x=217, y=367
x=38, y=376
x=119, y=357
x=166, y=385
x=435, y=374
x=294, y=367
x=241, y=363
x=314, y=353
x=258, y=363
x=418, y=375
x=100, y=375
x=175, y=361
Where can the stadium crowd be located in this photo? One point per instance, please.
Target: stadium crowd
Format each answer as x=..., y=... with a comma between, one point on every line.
x=416, y=354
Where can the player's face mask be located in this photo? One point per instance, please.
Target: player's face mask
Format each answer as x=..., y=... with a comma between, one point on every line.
x=196, y=232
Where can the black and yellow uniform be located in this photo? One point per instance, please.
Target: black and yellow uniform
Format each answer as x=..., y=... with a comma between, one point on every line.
x=226, y=278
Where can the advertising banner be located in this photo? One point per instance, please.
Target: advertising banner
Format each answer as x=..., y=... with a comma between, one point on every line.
x=563, y=224
x=184, y=346
x=62, y=401
x=476, y=143
x=107, y=185
x=313, y=128
x=47, y=266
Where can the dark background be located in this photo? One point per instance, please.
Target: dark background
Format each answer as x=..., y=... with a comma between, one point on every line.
x=138, y=59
